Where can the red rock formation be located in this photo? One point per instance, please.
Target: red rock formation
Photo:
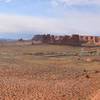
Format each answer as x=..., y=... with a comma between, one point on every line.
x=74, y=40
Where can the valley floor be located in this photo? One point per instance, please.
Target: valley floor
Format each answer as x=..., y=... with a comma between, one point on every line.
x=46, y=72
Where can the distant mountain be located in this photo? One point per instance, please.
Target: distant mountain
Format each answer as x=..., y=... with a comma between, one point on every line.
x=15, y=36
x=6, y=40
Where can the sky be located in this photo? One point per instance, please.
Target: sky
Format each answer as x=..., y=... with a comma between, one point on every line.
x=24, y=18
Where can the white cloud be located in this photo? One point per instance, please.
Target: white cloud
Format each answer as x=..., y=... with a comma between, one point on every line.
x=14, y=23
x=5, y=1
x=78, y=2
x=75, y=23
x=54, y=3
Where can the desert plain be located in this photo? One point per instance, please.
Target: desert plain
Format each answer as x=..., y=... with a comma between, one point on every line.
x=47, y=72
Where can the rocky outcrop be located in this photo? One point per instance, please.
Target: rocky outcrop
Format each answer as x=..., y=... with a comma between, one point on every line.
x=75, y=39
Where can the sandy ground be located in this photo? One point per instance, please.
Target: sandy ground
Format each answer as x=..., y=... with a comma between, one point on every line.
x=96, y=96
x=25, y=76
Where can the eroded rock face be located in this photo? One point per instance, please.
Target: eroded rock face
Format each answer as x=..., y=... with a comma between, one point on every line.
x=68, y=40
x=75, y=39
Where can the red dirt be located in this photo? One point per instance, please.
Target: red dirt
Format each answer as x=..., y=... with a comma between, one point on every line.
x=97, y=96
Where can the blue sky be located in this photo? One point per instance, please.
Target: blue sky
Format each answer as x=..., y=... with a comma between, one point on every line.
x=49, y=16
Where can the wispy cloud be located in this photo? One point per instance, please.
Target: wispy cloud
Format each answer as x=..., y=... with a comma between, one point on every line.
x=75, y=23
x=58, y=19
x=78, y=2
x=5, y=1
x=15, y=23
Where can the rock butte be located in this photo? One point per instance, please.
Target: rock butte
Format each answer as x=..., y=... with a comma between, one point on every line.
x=75, y=39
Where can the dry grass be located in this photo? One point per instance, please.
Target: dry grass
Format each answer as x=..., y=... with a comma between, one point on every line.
x=25, y=76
